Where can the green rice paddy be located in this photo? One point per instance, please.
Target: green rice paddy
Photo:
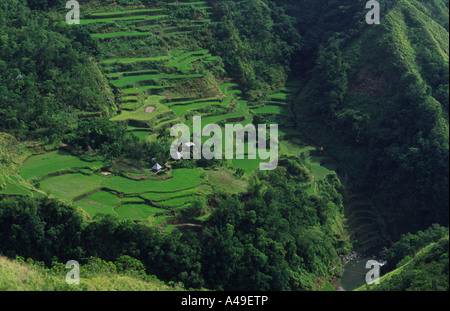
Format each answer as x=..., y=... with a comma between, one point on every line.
x=157, y=82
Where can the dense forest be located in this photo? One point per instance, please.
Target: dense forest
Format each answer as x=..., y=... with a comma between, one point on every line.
x=374, y=96
x=417, y=262
x=383, y=93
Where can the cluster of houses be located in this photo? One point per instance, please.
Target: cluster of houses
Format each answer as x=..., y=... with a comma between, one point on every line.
x=177, y=156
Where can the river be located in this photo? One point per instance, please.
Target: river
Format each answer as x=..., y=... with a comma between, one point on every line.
x=354, y=274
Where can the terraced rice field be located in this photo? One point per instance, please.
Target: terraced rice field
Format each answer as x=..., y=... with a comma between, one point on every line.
x=119, y=196
x=163, y=83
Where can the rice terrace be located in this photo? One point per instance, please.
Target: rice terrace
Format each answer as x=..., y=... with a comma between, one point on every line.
x=153, y=94
x=329, y=126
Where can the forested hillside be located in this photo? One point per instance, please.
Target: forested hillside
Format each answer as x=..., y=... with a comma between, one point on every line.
x=377, y=98
x=418, y=262
x=85, y=118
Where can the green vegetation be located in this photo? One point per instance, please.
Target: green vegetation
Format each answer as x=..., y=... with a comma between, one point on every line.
x=86, y=112
x=126, y=274
x=377, y=99
x=424, y=264
x=275, y=203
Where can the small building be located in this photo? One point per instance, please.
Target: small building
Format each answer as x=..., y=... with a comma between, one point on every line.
x=157, y=167
x=19, y=77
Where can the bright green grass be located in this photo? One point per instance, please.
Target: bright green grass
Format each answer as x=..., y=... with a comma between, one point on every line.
x=137, y=211
x=70, y=186
x=41, y=165
x=14, y=188
x=185, y=65
x=129, y=98
x=224, y=87
x=142, y=89
x=279, y=96
x=168, y=195
x=131, y=105
x=248, y=165
x=101, y=202
x=180, y=57
x=160, y=219
x=140, y=134
x=182, y=179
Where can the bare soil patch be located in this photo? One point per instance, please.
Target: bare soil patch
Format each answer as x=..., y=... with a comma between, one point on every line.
x=149, y=109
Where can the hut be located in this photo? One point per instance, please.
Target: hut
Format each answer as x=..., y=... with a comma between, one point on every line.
x=157, y=167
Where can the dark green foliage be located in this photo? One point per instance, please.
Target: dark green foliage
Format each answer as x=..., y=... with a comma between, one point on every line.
x=45, y=75
x=110, y=140
x=410, y=244
x=257, y=42
x=425, y=271
x=377, y=98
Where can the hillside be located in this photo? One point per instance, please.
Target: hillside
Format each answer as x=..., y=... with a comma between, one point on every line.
x=382, y=113
x=427, y=270
x=86, y=112
x=17, y=275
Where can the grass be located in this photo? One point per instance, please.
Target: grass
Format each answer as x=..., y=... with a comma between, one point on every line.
x=182, y=179
x=224, y=182
x=137, y=211
x=168, y=195
x=70, y=186
x=101, y=202
x=159, y=219
x=248, y=165
x=15, y=188
x=44, y=164
x=19, y=276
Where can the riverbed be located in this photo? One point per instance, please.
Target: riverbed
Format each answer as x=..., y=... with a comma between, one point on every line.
x=354, y=274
